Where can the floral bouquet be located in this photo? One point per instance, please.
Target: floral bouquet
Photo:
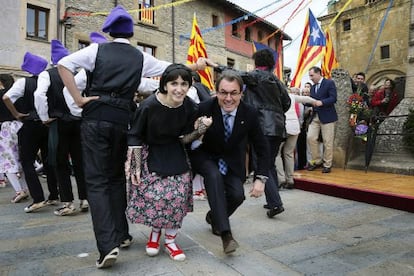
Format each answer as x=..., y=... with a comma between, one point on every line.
x=356, y=105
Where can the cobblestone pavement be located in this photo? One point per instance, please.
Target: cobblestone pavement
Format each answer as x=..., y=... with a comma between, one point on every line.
x=316, y=235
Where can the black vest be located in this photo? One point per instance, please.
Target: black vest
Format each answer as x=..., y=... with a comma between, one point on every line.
x=5, y=114
x=116, y=77
x=55, y=99
x=28, y=99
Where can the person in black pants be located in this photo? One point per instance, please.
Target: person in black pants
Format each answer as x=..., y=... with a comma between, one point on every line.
x=116, y=68
x=269, y=96
x=33, y=135
x=64, y=129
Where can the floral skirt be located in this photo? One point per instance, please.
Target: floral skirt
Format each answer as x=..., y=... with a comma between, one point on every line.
x=160, y=202
x=9, y=150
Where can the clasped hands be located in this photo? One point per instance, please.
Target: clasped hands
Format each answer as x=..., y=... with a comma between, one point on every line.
x=317, y=103
x=202, y=124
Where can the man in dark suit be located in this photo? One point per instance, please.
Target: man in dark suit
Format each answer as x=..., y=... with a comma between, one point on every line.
x=220, y=156
x=324, y=118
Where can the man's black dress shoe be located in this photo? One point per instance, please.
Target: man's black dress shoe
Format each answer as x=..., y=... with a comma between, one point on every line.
x=314, y=167
x=275, y=211
x=289, y=186
x=209, y=220
x=326, y=170
x=229, y=244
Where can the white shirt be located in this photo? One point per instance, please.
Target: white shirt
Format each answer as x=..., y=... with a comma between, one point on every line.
x=40, y=97
x=86, y=57
x=147, y=86
x=192, y=93
x=17, y=90
x=292, y=121
x=80, y=80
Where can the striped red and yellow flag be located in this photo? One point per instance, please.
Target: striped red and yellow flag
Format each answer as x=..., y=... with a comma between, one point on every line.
x=329, y=61
x=279, y=62
x=311, y=48
x=196, y=50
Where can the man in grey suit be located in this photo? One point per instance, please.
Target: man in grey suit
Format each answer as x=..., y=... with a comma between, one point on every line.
x=324, y=118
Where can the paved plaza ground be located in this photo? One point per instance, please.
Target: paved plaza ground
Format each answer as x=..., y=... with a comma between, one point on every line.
x=316, y=235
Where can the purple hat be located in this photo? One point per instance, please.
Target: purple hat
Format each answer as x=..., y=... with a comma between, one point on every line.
x=118, y=21
x=33, y=64
x=58, y=51
x=96, y=37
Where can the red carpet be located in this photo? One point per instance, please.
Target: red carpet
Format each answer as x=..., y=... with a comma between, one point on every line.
x=386, y=199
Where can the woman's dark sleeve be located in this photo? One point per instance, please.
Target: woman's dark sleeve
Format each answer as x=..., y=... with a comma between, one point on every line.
x=137, y=130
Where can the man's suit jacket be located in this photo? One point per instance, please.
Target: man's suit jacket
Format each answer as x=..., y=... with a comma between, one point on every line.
x=246, y=130
x=327, y=94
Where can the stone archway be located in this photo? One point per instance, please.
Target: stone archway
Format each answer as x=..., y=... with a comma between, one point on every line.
x=378, y=78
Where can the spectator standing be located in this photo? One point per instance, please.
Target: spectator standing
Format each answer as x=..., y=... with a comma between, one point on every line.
x=285, y=160
x=303, y=152
x=361, y=88
x=385, y=99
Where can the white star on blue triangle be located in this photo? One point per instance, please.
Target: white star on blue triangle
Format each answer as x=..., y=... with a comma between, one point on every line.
x=316, y=37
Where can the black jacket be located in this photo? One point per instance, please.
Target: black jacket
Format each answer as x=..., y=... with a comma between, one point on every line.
x=245, y=131
x=269, y=96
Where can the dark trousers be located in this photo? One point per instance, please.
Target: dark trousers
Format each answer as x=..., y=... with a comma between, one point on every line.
x=301, y=149
x=104, y=148
x=69, y=143
x=33, y=136
x=272, y=187
x=225, y=193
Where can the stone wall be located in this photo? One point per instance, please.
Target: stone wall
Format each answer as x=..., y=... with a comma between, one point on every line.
x=354, y=47
x=167, y=34
x=343, y=133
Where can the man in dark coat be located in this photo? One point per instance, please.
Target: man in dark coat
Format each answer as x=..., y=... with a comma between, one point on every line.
x=220, y=156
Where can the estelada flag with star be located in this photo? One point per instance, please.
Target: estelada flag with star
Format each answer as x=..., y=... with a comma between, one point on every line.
x=311, y=48
x=196, y=50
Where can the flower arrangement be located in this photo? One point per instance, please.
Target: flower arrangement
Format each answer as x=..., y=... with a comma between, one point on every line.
x=356, y=103
x=358, y=108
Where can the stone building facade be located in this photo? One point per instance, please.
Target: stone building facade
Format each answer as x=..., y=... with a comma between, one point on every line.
x=163, y=32
x=354, y=35
x=14, y=41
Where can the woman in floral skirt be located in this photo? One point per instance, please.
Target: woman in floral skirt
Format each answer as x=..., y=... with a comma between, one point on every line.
x=157, y=167
x=9, y=154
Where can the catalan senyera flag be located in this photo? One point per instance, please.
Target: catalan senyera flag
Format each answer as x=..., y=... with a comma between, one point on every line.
x=278, y=61
x=329, y=61
x=311, y=48
x=196, y=50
